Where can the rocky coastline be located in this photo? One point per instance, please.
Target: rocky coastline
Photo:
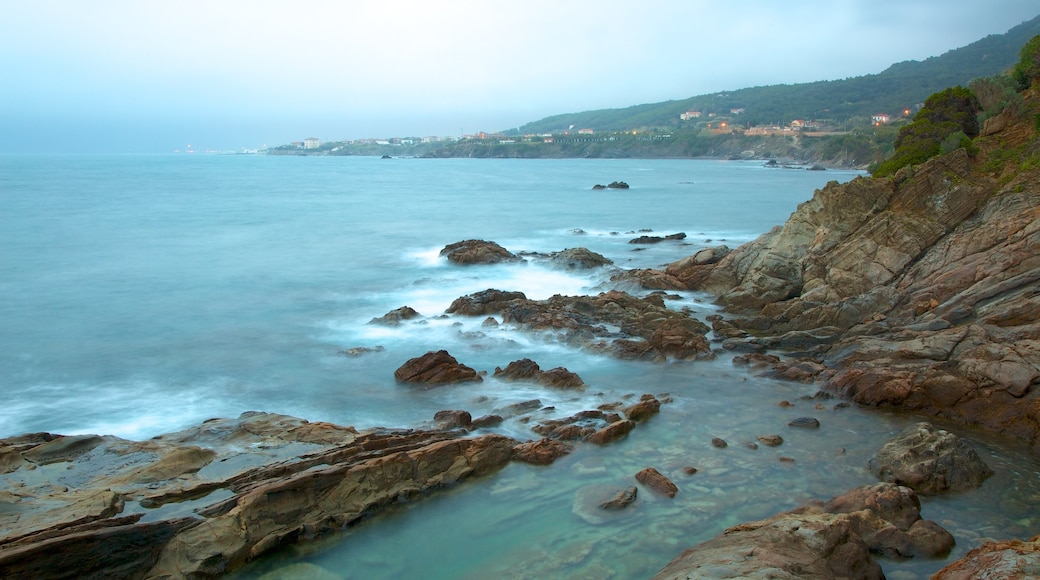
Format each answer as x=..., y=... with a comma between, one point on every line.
x=918, y=292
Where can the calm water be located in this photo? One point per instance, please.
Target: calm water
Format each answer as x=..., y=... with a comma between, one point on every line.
x=145, y=294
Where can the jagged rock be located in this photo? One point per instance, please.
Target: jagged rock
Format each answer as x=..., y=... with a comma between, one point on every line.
x=612, y=432
x=928, y=277
x=486, y=421
x=653, y=479
x=527, y=369
x=395, y=317
x=648, y=330
x=997, y=560
x=287, y=478
x=453, y=419
x=816, y=542
x=617, y=185
x=647, y=407
x=488, y=301
x=435, y=368
x=579, y=259
x=469, y=252
x=541, y=452
x=930, y=461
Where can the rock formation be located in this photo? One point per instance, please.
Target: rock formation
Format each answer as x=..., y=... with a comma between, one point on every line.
x=834, y=540
x=435, y=368
x=527, y=369
x=929, y=461
x=916, y=291
x=469, y=252
x=214, y=496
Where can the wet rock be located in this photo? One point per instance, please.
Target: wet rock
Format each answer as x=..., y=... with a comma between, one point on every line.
x=647, y=407
x=527, y=369
x=613, y=432
x=719, y=442
x=590, y=499
x=1003, y=559
x=489, y=322
x=653, y=479
x=657, y=239
x=930, y=461
x=805, y=423
x=835, y=540
x=621, y=500
x=578, y=259
x=771, y=440
x=435, y=368
x=280, y=479
x=541, y=452
x=488, y=301
x=617, y=185
x=469, y=252
x=486, y=421
x=395, y=317
x=453, y=419
x=362, y=350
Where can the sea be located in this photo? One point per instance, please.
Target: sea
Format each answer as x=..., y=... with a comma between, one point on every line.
x=142, y=294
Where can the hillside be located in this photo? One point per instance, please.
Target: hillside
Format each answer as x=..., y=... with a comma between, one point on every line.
x=900, y=86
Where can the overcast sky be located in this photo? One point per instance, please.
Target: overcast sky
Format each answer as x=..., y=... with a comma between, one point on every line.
x=153, y=76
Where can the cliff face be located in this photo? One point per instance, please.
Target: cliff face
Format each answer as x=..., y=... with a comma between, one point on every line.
x=917, y=291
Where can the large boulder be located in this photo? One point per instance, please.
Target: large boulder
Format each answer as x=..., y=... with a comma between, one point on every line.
x=435, y=368
x=528, y=370
x=834, y=540
x=930, y=461
x=469, y=252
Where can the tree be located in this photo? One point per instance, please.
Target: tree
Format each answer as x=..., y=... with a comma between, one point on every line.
x=944, y=113
x=1027, y=71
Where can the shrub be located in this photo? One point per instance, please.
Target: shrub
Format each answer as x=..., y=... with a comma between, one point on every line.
x=1027, y=71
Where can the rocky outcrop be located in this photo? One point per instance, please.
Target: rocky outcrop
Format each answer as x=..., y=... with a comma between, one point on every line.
x=528, y=370
x=833, y=540
x=468, y=252
x=929, y=461
x=1002, y=560
x=395, y=317
x=579, y=259
x=613, y=322
x=435, y=368
x=656, y=481
x=917, y=291
x=658, y=239
x=214, y=496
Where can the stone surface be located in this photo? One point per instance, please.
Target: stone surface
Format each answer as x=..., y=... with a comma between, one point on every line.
x=216, y=495
x=468, y=252
x=612, y=322
x=930, y=461
x=653, y=479
x=395, y=317
x=541, y=452
x=1000, y=560
x=528, y=370
x=914, y=291
x=435, y=368
x=823, y=542
x=578, y=259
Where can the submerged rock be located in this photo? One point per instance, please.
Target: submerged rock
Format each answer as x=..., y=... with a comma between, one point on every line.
x=653, y=479
x=658, y=239
x=527, y=369
x=579, y=259
x=395, y=317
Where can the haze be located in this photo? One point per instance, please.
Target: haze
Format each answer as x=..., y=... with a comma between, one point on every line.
x=128, y=76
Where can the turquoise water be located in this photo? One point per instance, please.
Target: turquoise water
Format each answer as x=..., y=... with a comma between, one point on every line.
x=146, y=294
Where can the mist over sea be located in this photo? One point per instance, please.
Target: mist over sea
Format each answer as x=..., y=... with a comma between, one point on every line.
x=144, y=294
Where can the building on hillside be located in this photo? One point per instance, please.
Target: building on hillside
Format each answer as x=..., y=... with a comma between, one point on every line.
x=736, y=111
x=880, y=119
x=689, y=115
x=311, y=143
x=585, y=131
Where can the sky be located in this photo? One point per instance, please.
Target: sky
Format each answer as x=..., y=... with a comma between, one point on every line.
x=151, y=76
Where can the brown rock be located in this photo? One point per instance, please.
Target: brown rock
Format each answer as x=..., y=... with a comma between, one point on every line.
x=395, y=317
x=1004, y=560
x=453, y=419
x=771, y=440
x=621, y=500
x=653, y=479
x=930, y=461
x=613, y=432
x=541, y=452
x=435, y=368
x=647, y=407
x=469, y=252
x=578, y=259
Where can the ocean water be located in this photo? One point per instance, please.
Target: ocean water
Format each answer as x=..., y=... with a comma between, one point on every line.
x=143, y=294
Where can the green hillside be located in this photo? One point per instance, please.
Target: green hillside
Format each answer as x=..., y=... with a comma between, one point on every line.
x=901, y=86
